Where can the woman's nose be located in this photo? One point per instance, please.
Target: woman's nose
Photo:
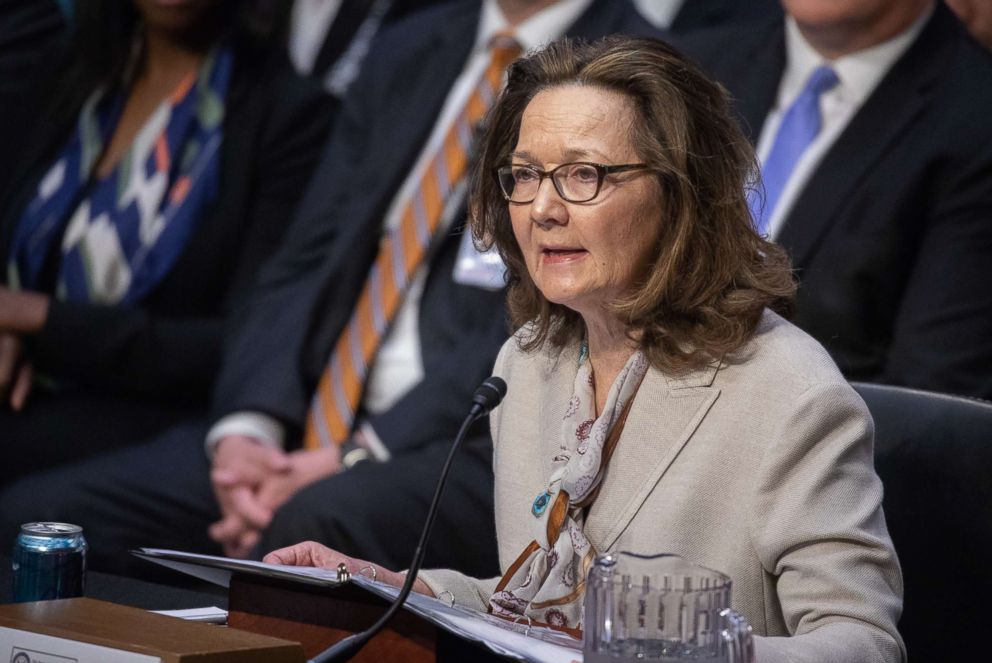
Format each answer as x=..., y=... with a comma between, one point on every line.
x=548, y=209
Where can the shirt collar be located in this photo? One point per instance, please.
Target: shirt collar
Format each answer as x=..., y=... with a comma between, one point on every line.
x=544, y=26
x=858, y=72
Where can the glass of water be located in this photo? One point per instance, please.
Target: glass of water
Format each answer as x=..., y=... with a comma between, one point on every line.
x=661, y=608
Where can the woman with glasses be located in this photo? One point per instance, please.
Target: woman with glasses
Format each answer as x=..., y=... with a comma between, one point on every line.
x=657, y=401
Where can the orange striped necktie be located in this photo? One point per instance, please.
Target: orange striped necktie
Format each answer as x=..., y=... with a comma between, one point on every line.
x=332, y=410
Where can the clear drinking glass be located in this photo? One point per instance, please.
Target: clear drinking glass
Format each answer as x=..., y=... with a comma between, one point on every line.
x=661, y=608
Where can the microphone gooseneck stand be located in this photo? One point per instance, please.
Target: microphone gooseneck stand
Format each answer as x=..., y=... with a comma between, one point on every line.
x=486, y=397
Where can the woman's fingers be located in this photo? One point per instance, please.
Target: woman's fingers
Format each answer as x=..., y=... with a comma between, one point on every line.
x=308, y=553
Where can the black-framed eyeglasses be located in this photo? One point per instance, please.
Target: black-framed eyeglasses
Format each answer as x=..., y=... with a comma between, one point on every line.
x=577, y=182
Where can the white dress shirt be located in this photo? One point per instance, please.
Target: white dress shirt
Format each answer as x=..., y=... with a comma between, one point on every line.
x=398, y=365
x=858, y=73
x=661, y=13
x=309, y=24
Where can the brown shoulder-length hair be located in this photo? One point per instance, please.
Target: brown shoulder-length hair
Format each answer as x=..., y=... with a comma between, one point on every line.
x=711, y=275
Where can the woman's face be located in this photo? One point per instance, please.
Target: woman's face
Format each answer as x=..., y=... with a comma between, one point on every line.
x=174, y=15
x=585, y=255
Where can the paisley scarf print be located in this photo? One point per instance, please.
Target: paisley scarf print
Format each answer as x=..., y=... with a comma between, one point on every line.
x=547, y=581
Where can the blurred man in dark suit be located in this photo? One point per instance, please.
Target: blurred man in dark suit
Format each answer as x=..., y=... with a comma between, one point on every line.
x=870, y=121
x=279, y=464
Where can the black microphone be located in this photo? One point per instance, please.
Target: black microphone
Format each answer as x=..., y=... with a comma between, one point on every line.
x=486, y=397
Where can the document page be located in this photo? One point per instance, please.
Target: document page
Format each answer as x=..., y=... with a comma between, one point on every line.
x=518, y=640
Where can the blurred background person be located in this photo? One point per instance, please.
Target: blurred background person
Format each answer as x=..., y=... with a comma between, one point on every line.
x=267, y=490
x=655, y=401
x=152, y=178
x=681, y=16
x=398, y=155
x=868, y=117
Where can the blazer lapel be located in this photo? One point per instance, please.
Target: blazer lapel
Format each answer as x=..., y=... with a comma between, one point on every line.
x=885, y=117
x=340, y=33
x=665, y=413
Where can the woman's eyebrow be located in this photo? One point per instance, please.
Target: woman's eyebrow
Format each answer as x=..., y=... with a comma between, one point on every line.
x=525, y=156
x=574, y=154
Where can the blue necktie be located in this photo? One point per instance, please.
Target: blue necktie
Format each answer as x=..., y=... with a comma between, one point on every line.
x=799, y=127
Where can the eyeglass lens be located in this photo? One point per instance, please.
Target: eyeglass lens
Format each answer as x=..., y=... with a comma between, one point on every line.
x=575, y=182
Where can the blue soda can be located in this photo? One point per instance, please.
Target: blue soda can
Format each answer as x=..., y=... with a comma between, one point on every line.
x=49, y=562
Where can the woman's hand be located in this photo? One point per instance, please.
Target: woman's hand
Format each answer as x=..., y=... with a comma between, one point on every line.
x=22, y=312
x=311, y=553
x=16, y=372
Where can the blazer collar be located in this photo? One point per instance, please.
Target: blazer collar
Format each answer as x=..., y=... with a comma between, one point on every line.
x=661, y=422
x=665, y=413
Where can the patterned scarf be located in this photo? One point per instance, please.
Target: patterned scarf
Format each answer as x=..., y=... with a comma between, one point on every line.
x=120, y=235
x=547, y=581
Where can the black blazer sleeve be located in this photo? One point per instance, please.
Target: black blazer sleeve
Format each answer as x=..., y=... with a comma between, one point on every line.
x=272, y=143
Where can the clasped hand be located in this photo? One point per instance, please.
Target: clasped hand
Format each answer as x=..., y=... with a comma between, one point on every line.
x=251, y=481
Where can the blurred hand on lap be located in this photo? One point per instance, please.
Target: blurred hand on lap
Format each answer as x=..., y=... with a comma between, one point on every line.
x=251, y=481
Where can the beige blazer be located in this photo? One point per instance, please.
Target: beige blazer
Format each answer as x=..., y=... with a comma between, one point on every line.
x=761, y=468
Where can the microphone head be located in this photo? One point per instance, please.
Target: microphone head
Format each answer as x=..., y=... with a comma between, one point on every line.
x=489, y=393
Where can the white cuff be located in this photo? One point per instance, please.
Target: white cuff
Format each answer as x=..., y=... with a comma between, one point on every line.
x=261, y=427
x=371, y=442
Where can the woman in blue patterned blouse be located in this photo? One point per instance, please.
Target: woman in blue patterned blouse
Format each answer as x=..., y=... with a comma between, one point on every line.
x=153, y=176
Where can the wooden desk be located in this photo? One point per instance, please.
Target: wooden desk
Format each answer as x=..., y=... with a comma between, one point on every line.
x=305, y=616
x=318, y=617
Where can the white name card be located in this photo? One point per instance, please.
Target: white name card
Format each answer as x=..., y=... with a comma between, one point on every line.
x=18, y=646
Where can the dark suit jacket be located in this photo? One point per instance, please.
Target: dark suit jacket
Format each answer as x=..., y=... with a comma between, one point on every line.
x=892, y=235
x=29, y=30
x=699, y=14
x=170, y=345
x=348, y=20
x=278, y=350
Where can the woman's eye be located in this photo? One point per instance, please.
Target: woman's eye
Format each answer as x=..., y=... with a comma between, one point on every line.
x=583, y=174
x=524, y=175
